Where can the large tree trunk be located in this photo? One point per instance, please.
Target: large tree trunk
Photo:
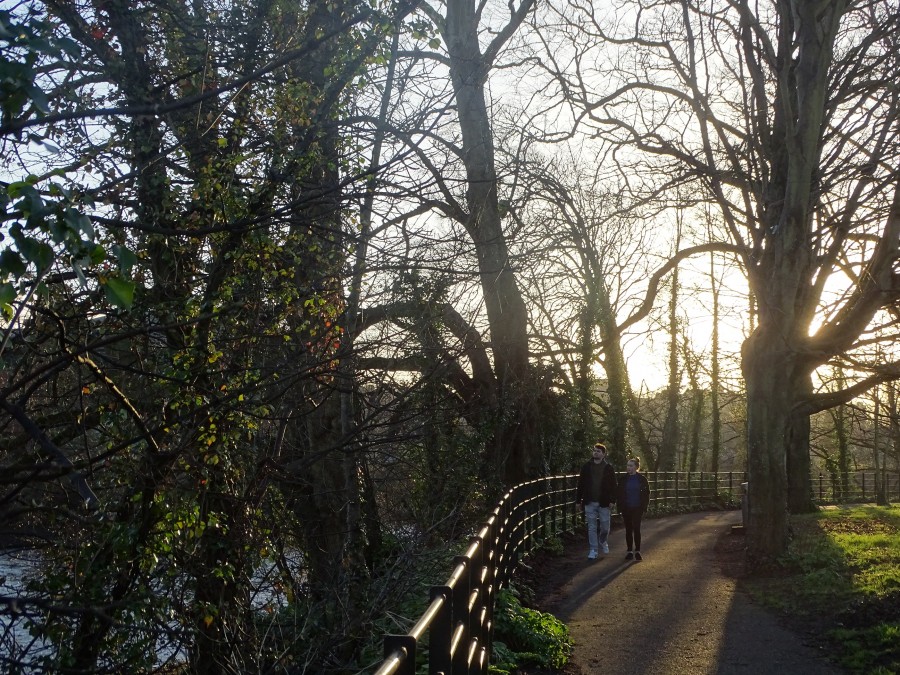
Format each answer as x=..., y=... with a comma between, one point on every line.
x=689, y=462
x=516, y=452
x=584, y=434
x=715, y=420
x=768, y=403
x=618, y=384
x=774, y=361
x=799, y=480
x=320, y=467
x=668, y=446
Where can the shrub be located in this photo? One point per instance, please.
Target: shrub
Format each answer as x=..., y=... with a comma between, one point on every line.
x=525, y=637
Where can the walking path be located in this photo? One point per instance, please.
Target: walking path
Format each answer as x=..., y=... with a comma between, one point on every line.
x=675, y=613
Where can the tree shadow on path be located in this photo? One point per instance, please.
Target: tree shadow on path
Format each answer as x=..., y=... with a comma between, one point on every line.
x=679, y=612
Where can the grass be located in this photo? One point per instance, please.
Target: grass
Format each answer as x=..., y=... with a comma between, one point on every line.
x=841, y=580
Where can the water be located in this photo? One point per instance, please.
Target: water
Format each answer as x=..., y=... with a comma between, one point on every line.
x=20, y=651
x=18, y=647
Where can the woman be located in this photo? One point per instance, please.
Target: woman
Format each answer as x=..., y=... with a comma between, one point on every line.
x=633, y=499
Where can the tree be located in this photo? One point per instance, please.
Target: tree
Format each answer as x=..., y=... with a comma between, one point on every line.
x=173, y=280
x=591, y=255
x=515, y=455
x=667, y=460
x=783, y=118
x=691, y=366
x=714, y=383
x=452, y=159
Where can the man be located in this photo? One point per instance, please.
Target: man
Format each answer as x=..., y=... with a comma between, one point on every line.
x=596, y=491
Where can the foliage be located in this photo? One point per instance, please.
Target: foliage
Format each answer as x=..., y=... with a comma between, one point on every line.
x=871, y=650
x=524, y=636
x=552, y=545
x=44, y=216
x=166, y=417
x=841, y=570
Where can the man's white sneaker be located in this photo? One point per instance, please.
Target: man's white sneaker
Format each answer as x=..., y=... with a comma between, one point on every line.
x=592, y=555
x=605, y=548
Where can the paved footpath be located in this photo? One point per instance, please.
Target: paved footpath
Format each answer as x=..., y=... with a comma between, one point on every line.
x=675, y=613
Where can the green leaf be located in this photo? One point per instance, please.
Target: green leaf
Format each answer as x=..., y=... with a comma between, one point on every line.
x=36, y=252
x=70, y=47
x=126, y=258
x=11, y=263
x=119, y=292
x=39, y=98
x=77, y=267
x=7, y=294
x=98, y=254
x=79, y=222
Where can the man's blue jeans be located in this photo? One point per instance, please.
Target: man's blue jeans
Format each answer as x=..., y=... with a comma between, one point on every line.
x=597, y=519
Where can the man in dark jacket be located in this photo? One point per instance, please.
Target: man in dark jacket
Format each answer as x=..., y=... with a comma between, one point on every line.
x=596, y=491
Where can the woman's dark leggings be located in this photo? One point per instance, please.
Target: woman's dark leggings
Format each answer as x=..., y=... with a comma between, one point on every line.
x=632, y=520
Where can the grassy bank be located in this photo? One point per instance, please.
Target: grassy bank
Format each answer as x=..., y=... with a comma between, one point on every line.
x=840, y=581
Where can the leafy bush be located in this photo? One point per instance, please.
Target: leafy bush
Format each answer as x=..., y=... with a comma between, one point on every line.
x=526, y=637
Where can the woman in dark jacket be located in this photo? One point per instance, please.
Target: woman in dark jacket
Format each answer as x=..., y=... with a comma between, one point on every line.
x=633, y=499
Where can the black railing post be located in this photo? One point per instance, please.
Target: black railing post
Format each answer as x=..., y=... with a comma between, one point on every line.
x=405, y=644
x=440, y=637
x=490, y=598
x=477, y=584
x=533, y=513
x=552, y=501
x=503, y=542
x=461, y=616
x=509, y=532
x=479, y=625
x=573, y=508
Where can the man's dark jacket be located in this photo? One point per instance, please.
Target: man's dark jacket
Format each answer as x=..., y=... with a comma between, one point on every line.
x=645, y=492
x=607, y=484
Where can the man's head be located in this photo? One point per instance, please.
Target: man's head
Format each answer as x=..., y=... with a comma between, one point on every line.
x=599, y=452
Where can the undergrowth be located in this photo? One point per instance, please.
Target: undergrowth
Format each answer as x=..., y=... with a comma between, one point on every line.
x=525, y=637
x=841, y=576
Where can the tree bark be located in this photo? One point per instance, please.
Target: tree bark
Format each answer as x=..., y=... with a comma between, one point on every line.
x=668, y=446
x=768, y=403
x=516, y=452
x=715, y=421
x=799, y=478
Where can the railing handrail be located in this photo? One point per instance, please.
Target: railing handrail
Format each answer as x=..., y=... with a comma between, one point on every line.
x=463, y=607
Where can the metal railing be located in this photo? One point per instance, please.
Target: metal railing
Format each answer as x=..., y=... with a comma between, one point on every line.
x=861, y=486
x=459, y=619
x=688, y=488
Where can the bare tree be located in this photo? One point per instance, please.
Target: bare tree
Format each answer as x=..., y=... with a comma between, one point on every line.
x=782, y=116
